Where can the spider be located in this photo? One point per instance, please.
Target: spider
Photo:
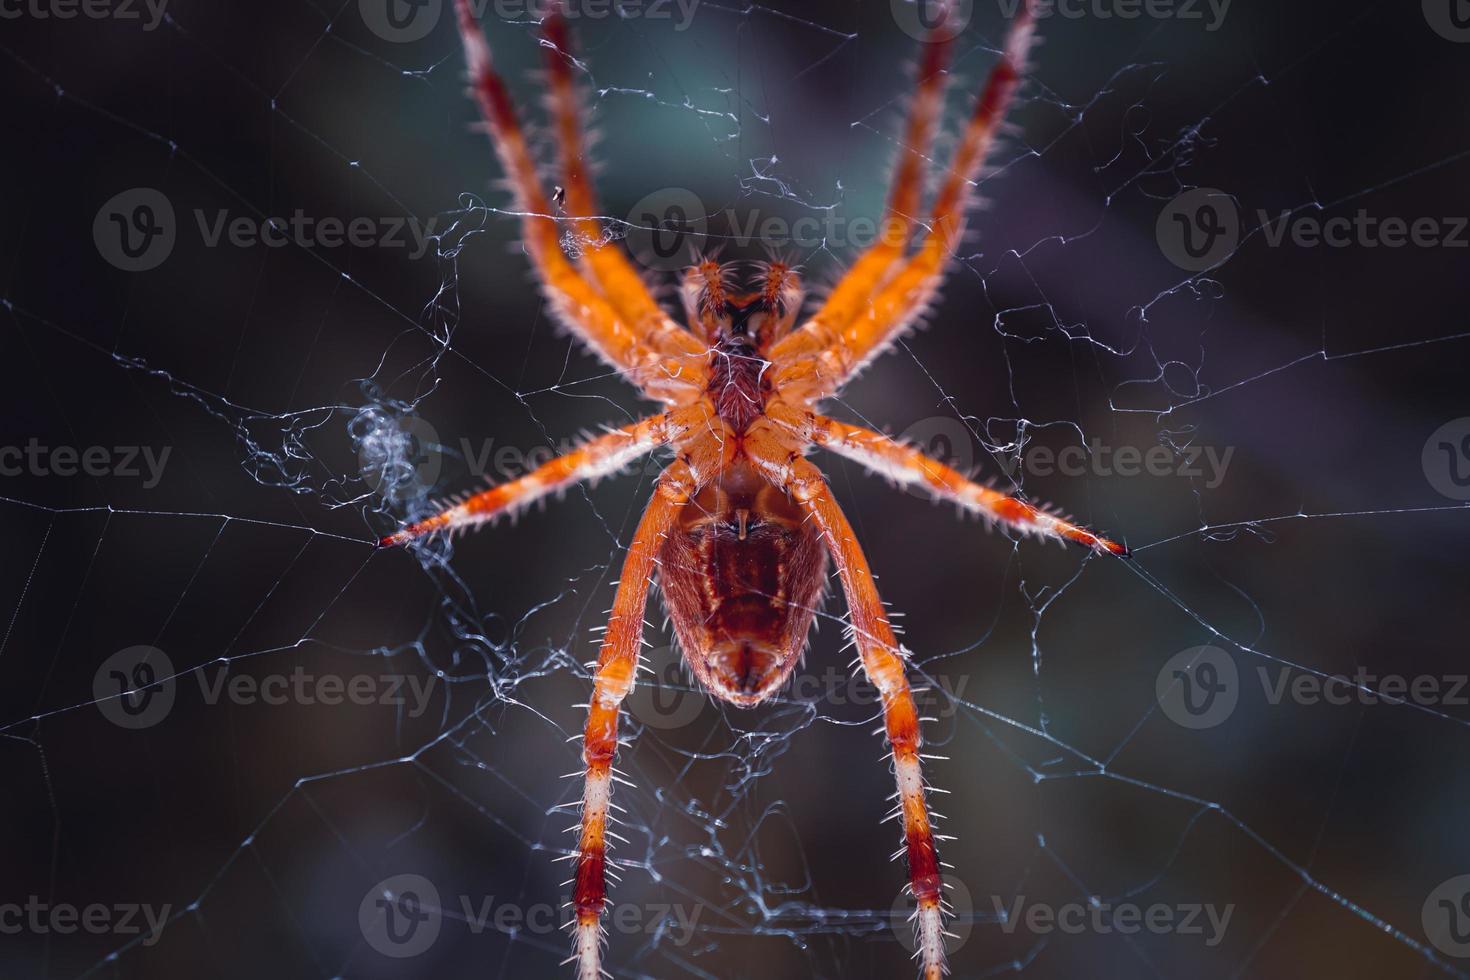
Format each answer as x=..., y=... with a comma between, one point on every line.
x=741, y=525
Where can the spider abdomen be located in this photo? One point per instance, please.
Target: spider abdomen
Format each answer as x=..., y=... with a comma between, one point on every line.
x=742, y=574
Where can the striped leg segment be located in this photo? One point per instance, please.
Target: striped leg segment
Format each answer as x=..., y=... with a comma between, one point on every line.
x=907, y=466
x=883, y=662
x=605, y=264
x=895, y=305
x=593, y=459
x=617, y=664
x=663, y=374
x=848, y=297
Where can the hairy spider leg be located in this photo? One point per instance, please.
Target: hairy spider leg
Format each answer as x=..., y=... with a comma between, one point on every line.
x=909, y=292
x=704, y=456
x=598, y=457
x=883, y=661
x=905, y=465
x=579, y=306
x=816, y=337
x=605, y=264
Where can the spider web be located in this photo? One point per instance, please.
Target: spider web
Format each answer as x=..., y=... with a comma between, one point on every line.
x=311, y=396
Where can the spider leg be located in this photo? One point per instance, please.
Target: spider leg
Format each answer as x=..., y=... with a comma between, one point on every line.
x=845, y=302
x=906, y=465
x=593, y=459
x=883, y=661
x=895, y=305
x=605, y=265
x=670, y=378
x=617, y=665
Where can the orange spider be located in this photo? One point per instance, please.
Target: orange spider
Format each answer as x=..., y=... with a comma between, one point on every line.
x=741, y=524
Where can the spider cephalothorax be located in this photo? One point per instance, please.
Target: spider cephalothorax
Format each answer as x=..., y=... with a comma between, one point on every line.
x=741, y=526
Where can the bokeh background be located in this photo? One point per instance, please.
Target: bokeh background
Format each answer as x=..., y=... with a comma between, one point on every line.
x=283, y=382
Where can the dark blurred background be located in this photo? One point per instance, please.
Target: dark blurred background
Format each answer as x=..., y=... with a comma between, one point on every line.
x=309, y=396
